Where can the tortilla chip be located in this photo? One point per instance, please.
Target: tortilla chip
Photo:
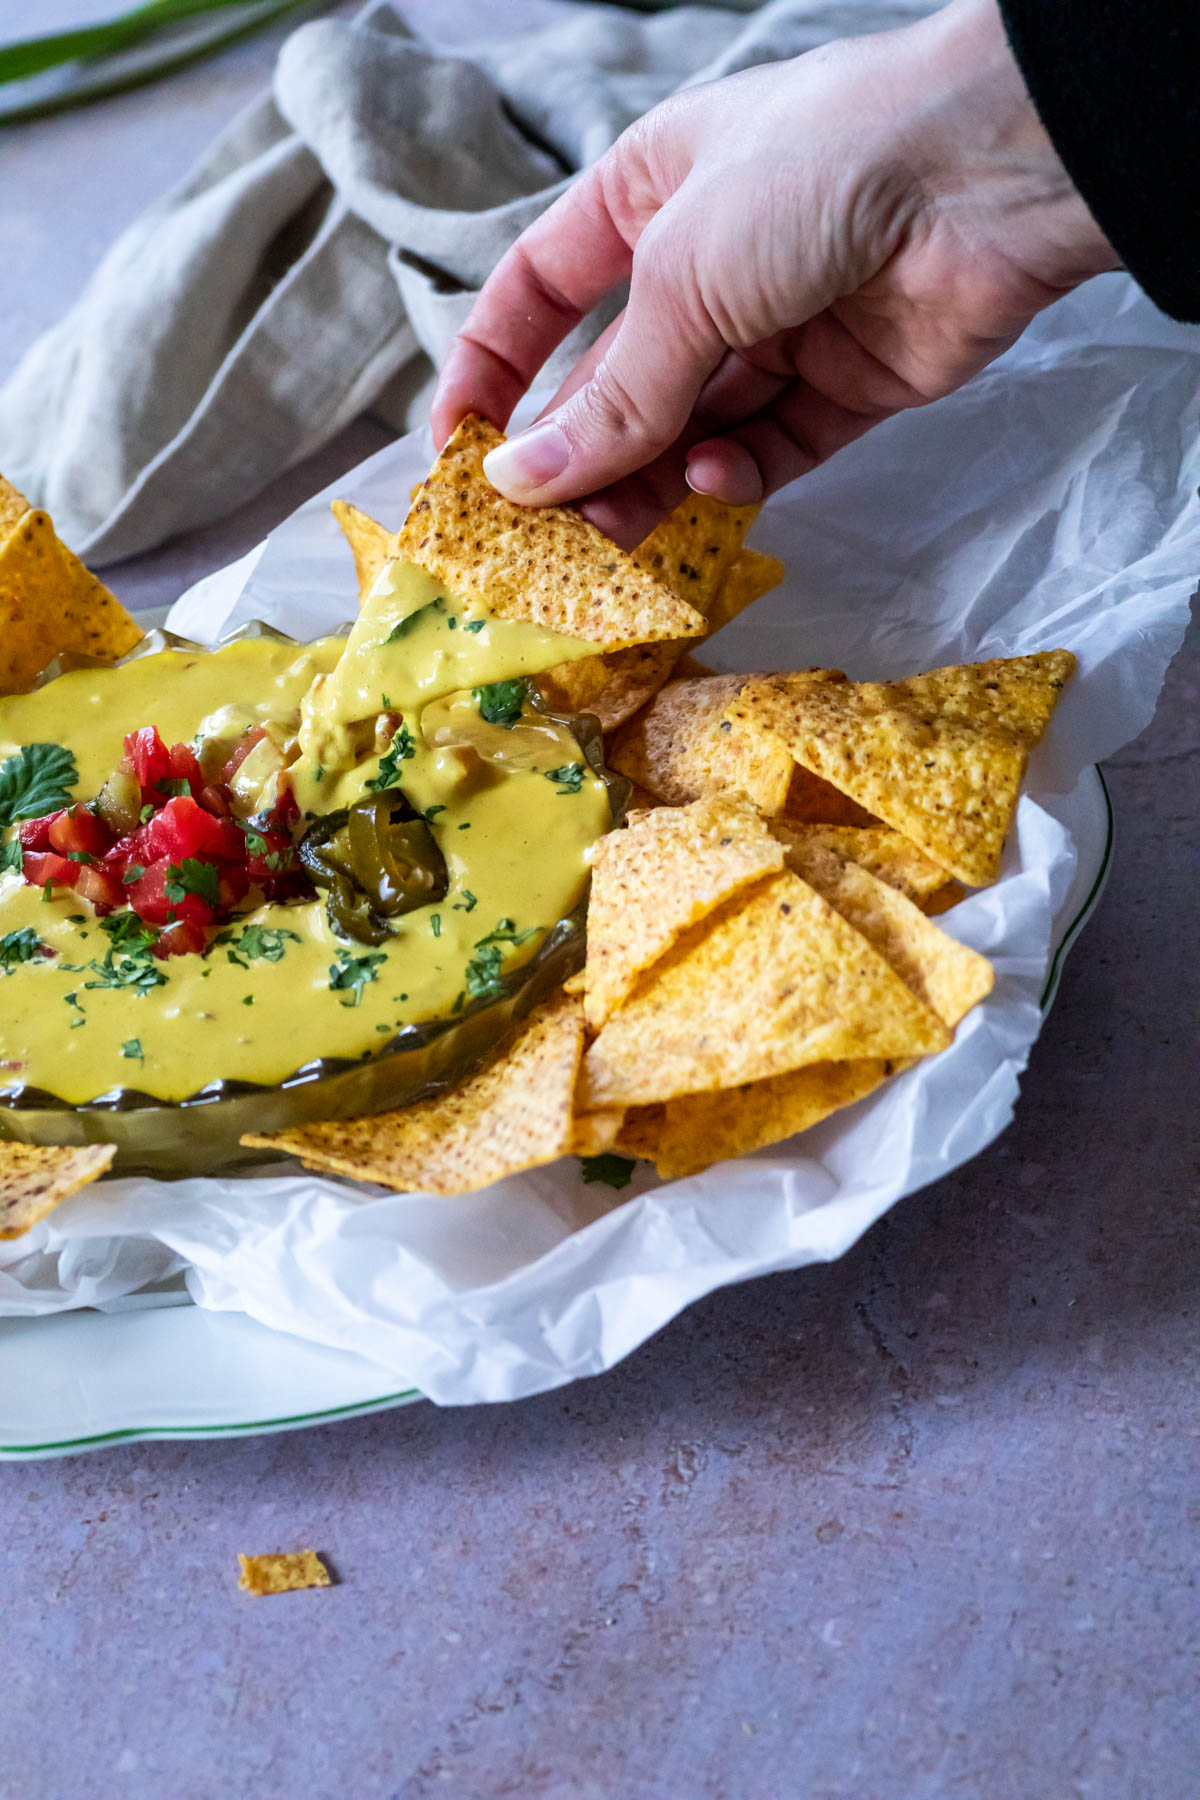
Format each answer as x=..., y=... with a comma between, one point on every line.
x=372, y=545
x=946, y=975
x=640, y=1132
x=515, y=1113
x=773, y=981
x=35, y=1177
x=811, y=801
x=13, y=507
x=750, y=575
x=611, y=687
x=596, y=1132
x=50, y=603
x=681, y=748
x=283, y=1572
x=656, y=879
x=939, y=756
x=886, y=853
x=546, y=565
x=691, y=552
x=701, y=1129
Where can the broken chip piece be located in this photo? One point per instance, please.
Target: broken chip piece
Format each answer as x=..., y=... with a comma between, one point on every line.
x=515, y=1113
x=34, y=1178
x=282, y=1572
x=886, y=853
x=544, y=565
x=939, y=756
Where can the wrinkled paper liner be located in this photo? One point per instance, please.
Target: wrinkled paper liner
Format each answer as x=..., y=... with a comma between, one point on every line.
x=1050, y=502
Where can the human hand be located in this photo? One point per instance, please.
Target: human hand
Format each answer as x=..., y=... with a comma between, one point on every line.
x=811, y=247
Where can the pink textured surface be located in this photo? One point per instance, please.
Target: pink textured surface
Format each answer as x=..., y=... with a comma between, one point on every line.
x=912, y=1527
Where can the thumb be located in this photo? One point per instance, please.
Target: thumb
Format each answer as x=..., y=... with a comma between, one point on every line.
x=634, y=403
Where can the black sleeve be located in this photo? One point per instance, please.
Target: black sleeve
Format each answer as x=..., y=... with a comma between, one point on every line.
x=1117, y=86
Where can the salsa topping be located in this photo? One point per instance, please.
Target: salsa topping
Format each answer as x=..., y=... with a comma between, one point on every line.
x=162, y=838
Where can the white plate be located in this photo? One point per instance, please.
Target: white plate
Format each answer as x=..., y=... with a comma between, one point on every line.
x=82, y=1380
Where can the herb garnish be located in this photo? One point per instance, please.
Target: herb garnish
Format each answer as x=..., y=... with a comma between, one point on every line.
x=132, y=1047
x=133, y=873
x=403, y=746
x=569, y=777
x=468, y=903
x=255, y=942
x=12, y=857
x=36, y=780
x=435, y=924
x=128, y=962
x=482, y=973
x=193, y=876
x=475, y=625
x=22, y=947
x=353, y=973
x=500, y=702
x=613, y=1171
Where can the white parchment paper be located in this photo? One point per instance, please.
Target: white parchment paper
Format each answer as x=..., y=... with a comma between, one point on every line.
x=1051, y=502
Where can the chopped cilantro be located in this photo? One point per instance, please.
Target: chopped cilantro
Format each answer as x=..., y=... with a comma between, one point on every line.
x=468, y=903
x=80, y=856
x=174, y=787
x=405, y=625
x=132, y=1048
x=257, y=941
x=72, y=1000
x=431, y=813
x=435, y=924
x=256, y=843
x=613, y=1171
x=22, y=947
x=465, y=827
x=482, y=973
x=452, y=623
x=12, y=857
x=247, y=999
x=193, y=876
x=474, y=624
x=352, y=973
x=403, y=746
x=569, y=777
x=128, y=962
x=147, y=813
x=133, y=873
x=36, y=780
x=77, y=919
x=500, y=702
x=318, y=773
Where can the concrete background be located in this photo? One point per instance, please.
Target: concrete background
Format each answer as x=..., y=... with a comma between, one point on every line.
x=912, y=1527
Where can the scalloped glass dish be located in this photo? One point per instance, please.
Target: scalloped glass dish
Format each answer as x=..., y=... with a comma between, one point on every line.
x=200, y=1133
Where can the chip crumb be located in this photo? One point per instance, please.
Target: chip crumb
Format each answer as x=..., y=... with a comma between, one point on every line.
x=283, y=1572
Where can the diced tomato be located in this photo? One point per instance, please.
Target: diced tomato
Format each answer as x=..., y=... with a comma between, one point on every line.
x=148, y=898
x=234, y=886
x=35, y=833
x=185, y=767
x=43, y=866
x=149, y=759
x=182, y=829
x=215, y=799
x=98, y=886
x=246, y=743
x=286, y=811
x=79, y=830
x=181, y=939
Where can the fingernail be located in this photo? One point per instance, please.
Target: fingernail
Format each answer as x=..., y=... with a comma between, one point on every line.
x=528, y=462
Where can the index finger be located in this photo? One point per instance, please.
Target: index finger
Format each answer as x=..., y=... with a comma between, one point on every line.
x=538, y=292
